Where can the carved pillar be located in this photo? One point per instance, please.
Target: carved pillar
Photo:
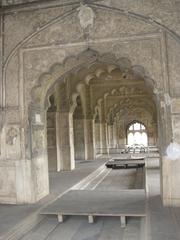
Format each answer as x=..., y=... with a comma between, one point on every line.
x=51, y=141
x=121, y=133
x=103, y=129
x=104, y=138
x=2, y=113
x=155, y=133
x=78, y=126
x=171, y=164
x=64, y=131
x=79, y=148
x=89, y=139
x=88, y=126
x=110, y=136
x=65, y=141
x=1, y=59
x=115, y=134
x=97, y=134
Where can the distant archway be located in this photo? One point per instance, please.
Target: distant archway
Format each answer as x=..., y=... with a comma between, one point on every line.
x=137, y=134
x=55, y=82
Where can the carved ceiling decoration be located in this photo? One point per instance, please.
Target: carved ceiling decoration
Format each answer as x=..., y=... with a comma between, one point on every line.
x=86, y=16
x=115, y=87
x=90, y=68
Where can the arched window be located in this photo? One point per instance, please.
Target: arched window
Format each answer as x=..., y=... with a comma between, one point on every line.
x=137, y=134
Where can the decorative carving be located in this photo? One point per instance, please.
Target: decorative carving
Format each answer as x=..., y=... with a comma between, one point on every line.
x=131, y=90
x=15, y=2
x=11, y=136
x=86, y=16
x=167, y=99
x=38, y=141
x=60, y=71
x=2, y=120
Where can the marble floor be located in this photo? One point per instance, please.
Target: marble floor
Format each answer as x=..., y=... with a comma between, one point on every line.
x=105, y=228
x=16, y=219
x=161, y=223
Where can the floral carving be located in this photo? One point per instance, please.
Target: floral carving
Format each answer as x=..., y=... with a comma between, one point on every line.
x=86, y=16
x=12, y=135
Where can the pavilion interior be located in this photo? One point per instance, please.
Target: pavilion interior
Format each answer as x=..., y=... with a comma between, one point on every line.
x=106, y=99
x=82, y=84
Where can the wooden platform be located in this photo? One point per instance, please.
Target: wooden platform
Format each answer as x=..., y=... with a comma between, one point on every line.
x=90, y=203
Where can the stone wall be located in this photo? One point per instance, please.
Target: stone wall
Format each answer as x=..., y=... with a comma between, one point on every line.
x=39, y=46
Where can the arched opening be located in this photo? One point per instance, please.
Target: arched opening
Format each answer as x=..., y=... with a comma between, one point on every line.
x=73, y=130
x=80, y=129
x=137, y=134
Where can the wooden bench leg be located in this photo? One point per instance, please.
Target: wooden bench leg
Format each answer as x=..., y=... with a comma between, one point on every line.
x=60, y=218
x=123, y=221
x=90, y=218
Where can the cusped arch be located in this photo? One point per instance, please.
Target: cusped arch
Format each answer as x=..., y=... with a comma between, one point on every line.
x=57, y=73
x=133, y=122
x=89, y=61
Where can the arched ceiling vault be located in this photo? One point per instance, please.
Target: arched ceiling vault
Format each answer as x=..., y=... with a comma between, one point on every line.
x=116, y=83
x=122, y=113
x=95, y=70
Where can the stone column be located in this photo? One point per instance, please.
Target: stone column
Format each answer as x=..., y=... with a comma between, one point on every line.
x=151, y=137
x=89, y=139
x=110, y=136
x=51, y=141
x=171, y=167
x=115, y=135
x=104, y=138
x=97, y=134
x=65, y=141
x=155, y=133
x=1, y=59
x=79, y=148
x=121, y=134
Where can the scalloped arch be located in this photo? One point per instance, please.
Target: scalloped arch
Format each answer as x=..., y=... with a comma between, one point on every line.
x=92, y=66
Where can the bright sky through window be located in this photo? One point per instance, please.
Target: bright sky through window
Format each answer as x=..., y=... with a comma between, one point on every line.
x=136, y=134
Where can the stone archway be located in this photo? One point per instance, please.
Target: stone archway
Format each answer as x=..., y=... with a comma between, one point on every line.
x=96, y=68
x=23, y=134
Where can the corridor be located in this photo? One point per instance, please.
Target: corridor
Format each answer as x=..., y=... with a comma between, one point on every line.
x=108, y=228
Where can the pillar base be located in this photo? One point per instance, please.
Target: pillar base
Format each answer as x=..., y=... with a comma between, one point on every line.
x=170, y=181
x=171, y=202
x=23, y=181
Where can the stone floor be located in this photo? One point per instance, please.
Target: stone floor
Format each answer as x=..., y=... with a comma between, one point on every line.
x=161, y=223
x=105, y=228
x=15, y=217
